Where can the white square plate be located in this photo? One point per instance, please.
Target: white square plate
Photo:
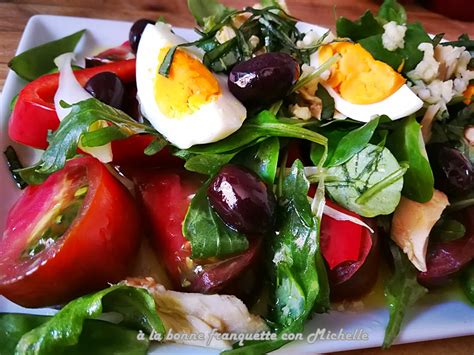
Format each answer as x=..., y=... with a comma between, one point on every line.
x=440, y=315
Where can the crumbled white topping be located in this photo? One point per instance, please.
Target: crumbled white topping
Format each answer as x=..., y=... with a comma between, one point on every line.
x=469, y=135
x=393, y=36
x=427, y=69
x=254, y=41
x=226, y=33
x=301, y=112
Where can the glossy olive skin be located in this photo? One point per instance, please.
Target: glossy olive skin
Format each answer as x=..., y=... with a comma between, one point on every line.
x=264, y=79
x=242, y=200
x=454, y=173
x=136, y=31
x=106, y=87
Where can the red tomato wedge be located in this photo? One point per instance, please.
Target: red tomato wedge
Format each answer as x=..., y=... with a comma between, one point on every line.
x=34, y=114
x=341, y=241
x=165, y=195
x=71, y=235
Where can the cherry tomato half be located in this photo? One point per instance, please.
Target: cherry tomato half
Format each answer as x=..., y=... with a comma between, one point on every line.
x=69, y=236
x=165, y=195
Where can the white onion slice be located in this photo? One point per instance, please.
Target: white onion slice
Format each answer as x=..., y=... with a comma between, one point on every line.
x=340, y=216
x=70, y=91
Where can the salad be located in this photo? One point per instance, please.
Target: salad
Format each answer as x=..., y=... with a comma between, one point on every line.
x=236, y=185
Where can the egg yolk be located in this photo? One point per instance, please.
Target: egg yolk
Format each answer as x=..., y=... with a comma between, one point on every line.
x=357, y=76
x=188, y=86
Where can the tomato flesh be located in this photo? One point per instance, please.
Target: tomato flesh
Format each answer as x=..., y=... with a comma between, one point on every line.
x=34, y=114
x=165, y=195
x=95, y=249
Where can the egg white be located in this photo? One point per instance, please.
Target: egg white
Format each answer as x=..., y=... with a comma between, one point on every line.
x=211, y=122
x=401, y=103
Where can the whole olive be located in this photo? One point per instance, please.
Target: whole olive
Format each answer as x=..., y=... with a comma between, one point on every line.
x=242, y=200
x=136, y=32
x=106, y=87
x=453, y=172
x=263, y=79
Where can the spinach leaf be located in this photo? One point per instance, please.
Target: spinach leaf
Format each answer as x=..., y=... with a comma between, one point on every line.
x=406, y=144
x=39, y=60
x=64, y=329
x=298, y=280
x=208, y=234
x=366, y=26
x=96, y=336
x=254, y=130
x=401, y=292
x=353, y=142
x=447, y=229
x=391, y=10
x=262, y=159
x=405, y=58
x=327, y=102
x=64, y=141
x=202, y=9
x=369, y=183
x=467, y=282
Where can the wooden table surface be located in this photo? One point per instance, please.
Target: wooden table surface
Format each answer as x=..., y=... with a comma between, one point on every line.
x=15, y=13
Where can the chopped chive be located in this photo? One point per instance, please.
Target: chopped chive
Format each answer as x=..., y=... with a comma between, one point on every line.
x=166, y=65
x=13, y=164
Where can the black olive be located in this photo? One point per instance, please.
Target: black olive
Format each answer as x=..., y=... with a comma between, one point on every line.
x=243, y=201
x=453, y=172
x=106, y=87
x=136, y=32
x=263, y=79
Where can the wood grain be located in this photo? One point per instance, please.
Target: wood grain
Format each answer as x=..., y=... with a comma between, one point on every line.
x=15, y=13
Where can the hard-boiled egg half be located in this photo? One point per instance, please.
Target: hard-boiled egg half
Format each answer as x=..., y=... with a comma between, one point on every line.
x=363, y=87
x=191, y=105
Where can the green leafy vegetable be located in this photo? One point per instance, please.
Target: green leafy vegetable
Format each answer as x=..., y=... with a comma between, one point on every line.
x=39, y=60
x=406, y=144
x=364, y=27
x=262, y=159
x=14, y=165
x=264, y=125
x=327, y=103
x=208, y=234
x=373, y=171
x=447, y=229
x=353, y=142
x=405, y=58
x=467, y=282
x=64, y=141
x=391, y=10
x=98, y=337
x=64, y=329
x=207, y=164
x=202, y=9
x=401, y=292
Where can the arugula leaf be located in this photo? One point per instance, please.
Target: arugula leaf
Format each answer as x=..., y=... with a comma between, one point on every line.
x=467, y=282
x=64, y=141
x=407, y=57
x=406, y=144
x=208, y=234
x=63, y=330
x=262, y=159
x=391, y=10
x=364, y=27
x=207, y=164
x=353, y=142
x=401, y=292
x=202, y=9
x=254, y=130
x=95, y=337
x=39, y=60
x=369, y=183
x=295, y=246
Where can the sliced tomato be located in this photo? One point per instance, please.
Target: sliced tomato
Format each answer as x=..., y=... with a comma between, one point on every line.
x=34, y=114
x=341, y=241
x=166, y=194
x=130, y=152
x=73, y=234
